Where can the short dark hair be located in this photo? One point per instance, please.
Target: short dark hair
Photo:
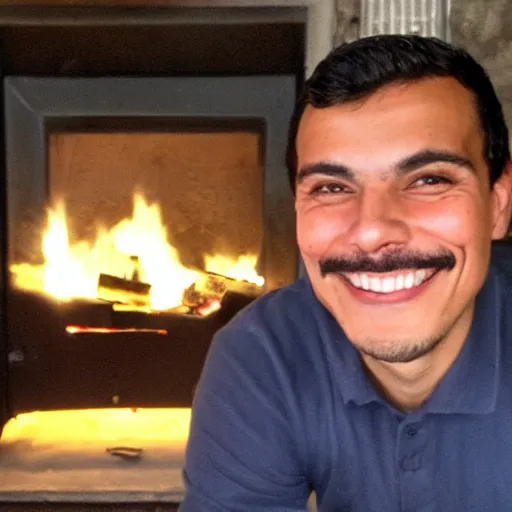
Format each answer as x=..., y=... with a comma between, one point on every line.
x=358, y=69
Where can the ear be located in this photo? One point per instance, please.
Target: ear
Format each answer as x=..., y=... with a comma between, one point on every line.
x=502, y=203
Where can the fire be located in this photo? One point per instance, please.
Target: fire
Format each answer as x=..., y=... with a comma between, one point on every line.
x=84, y=426
x=242, y=269
x=135, y=249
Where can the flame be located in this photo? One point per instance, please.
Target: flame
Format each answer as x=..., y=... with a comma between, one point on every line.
x=72, y=270
x=64, y=273
x=145, y=236
x=243, y=268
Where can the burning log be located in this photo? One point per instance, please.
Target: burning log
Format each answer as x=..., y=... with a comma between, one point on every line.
x=205, y=288
x=209, y=307
x=125, y=291
x=180, y=310
x=205, y=295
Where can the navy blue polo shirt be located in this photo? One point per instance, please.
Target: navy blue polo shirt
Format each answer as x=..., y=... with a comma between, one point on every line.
x=284, y=406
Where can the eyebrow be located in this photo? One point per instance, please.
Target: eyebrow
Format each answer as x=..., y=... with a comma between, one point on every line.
x=325, y=168
x=408, y=164
x=429, y=156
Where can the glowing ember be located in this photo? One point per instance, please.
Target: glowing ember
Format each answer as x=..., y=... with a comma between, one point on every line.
x=79, y=427
x=134, y=249
x=209, y=307
x=80, y=329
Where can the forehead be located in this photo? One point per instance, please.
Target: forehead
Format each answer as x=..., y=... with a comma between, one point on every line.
x=397, y=120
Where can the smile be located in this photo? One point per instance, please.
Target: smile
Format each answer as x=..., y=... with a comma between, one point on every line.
x=389, y=283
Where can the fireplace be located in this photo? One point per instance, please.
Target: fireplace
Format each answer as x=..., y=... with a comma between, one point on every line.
x=132, y=203
x=162, y=118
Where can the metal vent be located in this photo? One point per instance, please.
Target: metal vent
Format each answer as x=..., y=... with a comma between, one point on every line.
x=422, y=17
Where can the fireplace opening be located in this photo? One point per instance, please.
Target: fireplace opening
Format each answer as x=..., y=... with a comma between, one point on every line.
x=143, y=213
x=150, y=220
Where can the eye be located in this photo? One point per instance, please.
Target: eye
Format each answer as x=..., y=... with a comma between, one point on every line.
x=431, y=180
x=329, y=188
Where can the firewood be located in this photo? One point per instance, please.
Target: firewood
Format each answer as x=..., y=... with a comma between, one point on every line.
x=210, y=286
x=209, y=307
x=125, y=291
x=206, y=287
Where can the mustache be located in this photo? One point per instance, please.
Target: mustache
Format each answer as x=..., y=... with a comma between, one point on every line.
x=396, y=260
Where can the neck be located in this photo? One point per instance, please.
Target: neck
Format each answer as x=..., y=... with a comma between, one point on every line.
x=409, y=385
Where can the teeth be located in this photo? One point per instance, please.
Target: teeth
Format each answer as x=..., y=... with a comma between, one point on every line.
x=375, y=284
x=389, y=284
x=419, y=277
x=356, y=280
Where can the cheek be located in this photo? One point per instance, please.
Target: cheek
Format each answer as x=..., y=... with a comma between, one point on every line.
x=319, y=230
x=458, y=224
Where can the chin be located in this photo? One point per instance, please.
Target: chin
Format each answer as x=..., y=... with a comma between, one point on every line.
x=389, y=323
x=394, y=351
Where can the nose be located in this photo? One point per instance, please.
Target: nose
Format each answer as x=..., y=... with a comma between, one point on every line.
x=381, y=222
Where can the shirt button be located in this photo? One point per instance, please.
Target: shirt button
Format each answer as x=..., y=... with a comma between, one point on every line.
x=411, y=431
x=412, y=463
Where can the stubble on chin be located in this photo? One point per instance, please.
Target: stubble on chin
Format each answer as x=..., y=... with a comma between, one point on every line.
x=404, y=351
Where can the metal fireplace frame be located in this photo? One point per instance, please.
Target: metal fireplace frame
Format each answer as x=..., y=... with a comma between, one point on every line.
x=133, y=369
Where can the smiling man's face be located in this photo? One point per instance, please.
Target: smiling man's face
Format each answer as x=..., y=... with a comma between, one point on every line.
x=395, y=214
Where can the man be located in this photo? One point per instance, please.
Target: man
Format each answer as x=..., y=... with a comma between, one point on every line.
x=383, y=379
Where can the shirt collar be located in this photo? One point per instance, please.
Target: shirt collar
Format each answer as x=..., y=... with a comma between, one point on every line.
x=469, y=386
x=344, y=360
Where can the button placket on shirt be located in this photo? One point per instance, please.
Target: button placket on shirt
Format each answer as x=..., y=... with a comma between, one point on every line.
x=413, y=474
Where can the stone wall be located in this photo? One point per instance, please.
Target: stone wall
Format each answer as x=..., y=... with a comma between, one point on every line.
x=484, y=28
x=347, y=21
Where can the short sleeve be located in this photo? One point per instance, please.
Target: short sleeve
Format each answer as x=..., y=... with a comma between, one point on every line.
x=242, y=453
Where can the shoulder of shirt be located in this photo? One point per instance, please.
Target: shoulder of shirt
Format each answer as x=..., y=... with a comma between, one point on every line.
x=289, y=321
x=291, y=304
